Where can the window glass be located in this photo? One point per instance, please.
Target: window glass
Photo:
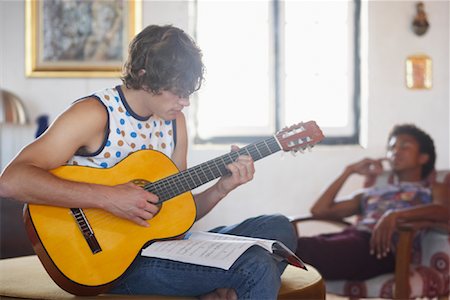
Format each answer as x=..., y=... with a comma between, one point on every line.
x=235, y=97
x=319, y=63
x=271, y=64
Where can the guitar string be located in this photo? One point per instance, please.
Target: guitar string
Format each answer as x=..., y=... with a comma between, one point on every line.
x=167, y=190
x=166, y=187
x=169, y=187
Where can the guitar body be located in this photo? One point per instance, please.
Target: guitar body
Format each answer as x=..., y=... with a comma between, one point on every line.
x=64, y=251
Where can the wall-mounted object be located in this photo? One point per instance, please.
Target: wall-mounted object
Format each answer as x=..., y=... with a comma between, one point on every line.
x=12, y=110
x=72, y=38
x=418, y=72
x=420, y=23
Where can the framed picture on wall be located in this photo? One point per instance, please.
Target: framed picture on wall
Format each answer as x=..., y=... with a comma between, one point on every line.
x=418, y=72
x=72, y=38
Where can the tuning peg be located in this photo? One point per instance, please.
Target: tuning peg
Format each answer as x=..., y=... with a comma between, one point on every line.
x=293, y=152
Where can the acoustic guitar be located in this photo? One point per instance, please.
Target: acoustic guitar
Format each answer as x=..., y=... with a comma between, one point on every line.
x=86, y=250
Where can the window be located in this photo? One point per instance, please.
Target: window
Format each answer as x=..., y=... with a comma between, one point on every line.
x=271, y=64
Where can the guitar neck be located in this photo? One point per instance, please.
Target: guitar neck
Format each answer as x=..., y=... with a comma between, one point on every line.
x=187, y=180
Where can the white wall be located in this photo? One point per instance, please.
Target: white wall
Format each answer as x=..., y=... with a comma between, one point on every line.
x=282, y=183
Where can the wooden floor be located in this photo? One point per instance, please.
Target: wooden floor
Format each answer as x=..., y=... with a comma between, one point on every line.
x=335, y=297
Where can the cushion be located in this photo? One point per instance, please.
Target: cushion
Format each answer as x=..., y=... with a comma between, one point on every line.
x=25, y=277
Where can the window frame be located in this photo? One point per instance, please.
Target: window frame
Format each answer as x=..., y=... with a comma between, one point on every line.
x=277, y=91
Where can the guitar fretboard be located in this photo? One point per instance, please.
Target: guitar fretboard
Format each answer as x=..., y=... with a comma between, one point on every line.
x=194, y=177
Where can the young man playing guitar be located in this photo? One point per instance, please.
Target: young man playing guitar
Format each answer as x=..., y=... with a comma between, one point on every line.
x=164, y=67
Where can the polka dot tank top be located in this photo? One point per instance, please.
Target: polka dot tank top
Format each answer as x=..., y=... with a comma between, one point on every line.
x=126, y=133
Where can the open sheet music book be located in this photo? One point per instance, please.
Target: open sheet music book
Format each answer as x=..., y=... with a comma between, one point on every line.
x=216, y=250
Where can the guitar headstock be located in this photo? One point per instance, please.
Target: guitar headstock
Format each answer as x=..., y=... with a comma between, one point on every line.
x=300, y=136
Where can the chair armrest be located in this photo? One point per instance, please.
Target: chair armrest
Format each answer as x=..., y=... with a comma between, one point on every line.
x=403, y=255
x=403, y=260
x=295, y=220
x=418, y=225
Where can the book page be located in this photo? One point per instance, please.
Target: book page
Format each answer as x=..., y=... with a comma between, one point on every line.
x=215, y=250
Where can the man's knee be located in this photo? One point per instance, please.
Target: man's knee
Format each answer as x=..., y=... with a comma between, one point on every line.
x=283, y=230
x=258, y=271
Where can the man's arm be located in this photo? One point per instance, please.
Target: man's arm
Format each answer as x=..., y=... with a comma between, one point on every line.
x=327, y=206
x=27, y=178
x=437, y=211
x=242, y=171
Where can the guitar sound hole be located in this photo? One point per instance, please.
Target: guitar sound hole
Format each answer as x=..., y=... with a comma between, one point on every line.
x=142, y=183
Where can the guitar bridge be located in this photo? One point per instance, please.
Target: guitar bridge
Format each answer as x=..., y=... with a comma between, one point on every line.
x=86, y=230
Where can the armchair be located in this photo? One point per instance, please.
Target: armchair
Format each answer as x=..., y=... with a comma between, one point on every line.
x=425, y=274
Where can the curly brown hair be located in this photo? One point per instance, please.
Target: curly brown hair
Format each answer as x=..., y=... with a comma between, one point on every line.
x=163, y=58
x=426, y=144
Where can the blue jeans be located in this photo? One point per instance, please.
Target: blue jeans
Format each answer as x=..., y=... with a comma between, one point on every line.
x=255, y=275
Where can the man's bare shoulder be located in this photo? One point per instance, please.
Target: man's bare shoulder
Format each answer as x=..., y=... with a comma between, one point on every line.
x=89, y=106
x=81, y=125
x=87, y=113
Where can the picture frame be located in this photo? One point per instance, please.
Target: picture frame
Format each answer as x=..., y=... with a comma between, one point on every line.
x=418, y=72
x=69, y=38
